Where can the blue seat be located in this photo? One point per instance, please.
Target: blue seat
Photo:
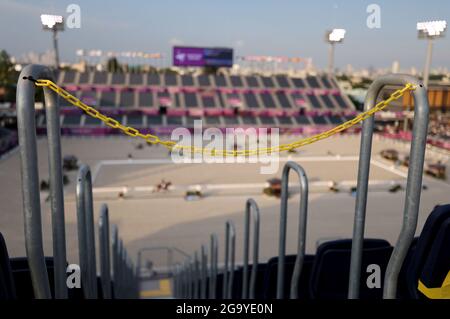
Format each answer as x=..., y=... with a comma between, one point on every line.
x=22, y=277
x=435, y=274
x=424, y=245
x=270, y=278
x=259, y=284
x=330, y=271
x=7, y=287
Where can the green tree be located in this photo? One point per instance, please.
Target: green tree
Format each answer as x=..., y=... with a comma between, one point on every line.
x=8, y=76
x=113, y=65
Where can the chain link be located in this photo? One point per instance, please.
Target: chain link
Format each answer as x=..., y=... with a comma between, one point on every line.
x=171, y=145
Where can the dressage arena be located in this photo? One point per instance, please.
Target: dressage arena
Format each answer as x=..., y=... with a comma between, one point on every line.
x=147, y=218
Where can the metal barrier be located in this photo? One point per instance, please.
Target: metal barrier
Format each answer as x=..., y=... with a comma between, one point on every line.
x=204, y=272
x=115, y=259
x=170, y=251
x=303, y=211
x=251, y=208
x=196, y=277
x=105, y=263
x=214, y=246
x=30, y=183
x=86, y=236
x=230, y=247
x=413, y=186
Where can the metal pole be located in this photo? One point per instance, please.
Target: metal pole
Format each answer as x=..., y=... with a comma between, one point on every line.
x=30, y=183
x=86, y=235
x=230, y=247
x=413, y=186
x=105, y=264
x=55, y=47
x=303, y=213
x=196, y=277
x=204, y=271
x=213, y=267
x=256, y=217
x=426, y=71
x=331, y=59
x=115, y=248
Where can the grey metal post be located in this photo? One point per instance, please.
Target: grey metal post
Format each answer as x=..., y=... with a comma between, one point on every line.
x=204, y=271
x=30, y=183
x=303, y=212
x=251, y=208
x=413, y=185
x=115, y=248
x=213, y=268
x=189, y=278
x=86, y=235
x=196, y=277
x=105, y=259
x=331, y=59
x=230, y=246
x=426, y=71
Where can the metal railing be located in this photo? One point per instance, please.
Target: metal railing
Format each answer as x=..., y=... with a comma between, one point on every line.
x=413, y=185
x=251, y=210
x=85, y=217
x=303, y=211
x=86, y=233
x=230, y=247
x=30, y=183
x=170, y=253
x=105, y=258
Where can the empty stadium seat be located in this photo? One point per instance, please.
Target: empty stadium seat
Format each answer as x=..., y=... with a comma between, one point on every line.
x=270, y=277
x=22, y=277
x=259, y=283
x=424, y=248
x=330, y=271
x=7, y=286
x=434, y=282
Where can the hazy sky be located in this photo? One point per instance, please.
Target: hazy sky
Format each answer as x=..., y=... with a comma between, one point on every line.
x=253, y=27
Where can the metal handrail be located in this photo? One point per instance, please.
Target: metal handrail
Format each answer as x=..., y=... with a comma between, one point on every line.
x=204, y=272
x=105, y=263
x=214, y=246
x=86, y=236
x=256, y=222
x=196, y=277
x=303, y=211
x=169, y=250
x=26, y=127
x=230, y=247
x=413, y=185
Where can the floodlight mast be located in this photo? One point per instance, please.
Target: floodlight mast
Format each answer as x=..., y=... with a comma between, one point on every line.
x=332, y=37
x=53, y=23
x=430, y=30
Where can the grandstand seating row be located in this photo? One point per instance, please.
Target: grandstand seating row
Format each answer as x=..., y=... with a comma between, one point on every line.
x=204, y=80
x=145, y=120
x=313, y=96
x=251, y=99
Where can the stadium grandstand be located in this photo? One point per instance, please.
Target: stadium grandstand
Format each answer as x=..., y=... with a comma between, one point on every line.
x=169, y=100
x=348, y=200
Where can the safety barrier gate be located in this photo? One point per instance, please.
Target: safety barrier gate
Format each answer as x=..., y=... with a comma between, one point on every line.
x=185, y=278
x=194, y=278
x=125, y=282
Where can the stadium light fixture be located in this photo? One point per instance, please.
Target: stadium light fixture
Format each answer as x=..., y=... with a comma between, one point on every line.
x=430, y=30
x=332, y=37
x=54, y=23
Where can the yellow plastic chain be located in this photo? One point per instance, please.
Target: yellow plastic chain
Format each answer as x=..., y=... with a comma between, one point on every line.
x=171, y=145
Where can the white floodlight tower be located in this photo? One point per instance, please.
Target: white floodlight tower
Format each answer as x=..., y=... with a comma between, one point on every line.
x=430, y=30
x=53, y=23
x=332, y=37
